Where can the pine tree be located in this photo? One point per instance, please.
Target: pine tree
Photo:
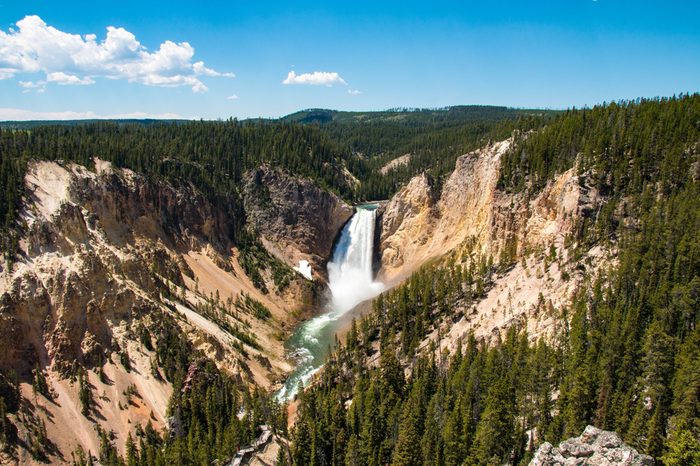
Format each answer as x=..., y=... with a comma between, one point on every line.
x=84, y=393
x=282, y=456
x=407, y=451
x=39, y=384
x=391, y=370
x=4, y=427
x=495, y=432
x=683, y=449
x=132, y=454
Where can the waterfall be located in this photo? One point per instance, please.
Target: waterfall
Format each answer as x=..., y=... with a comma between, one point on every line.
x=350, y=276
x=351, y=281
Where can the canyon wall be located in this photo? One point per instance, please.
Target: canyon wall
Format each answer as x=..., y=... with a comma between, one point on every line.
x=296, y=220
x=106, y=253
x=473, y=219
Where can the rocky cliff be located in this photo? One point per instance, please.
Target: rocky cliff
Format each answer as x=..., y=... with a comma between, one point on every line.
x=296, y=220
x=106, y=253
x=474, y=219
x=419, y=223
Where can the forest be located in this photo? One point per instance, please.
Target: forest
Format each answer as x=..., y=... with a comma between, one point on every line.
x=433, y=138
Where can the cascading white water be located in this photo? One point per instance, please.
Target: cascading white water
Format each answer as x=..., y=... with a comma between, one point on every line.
x=350, y=276
x=351, y=281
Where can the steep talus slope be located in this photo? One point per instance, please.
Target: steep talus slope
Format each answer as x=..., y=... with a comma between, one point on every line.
x=296, y=220
x=473, y=218
x=106, y=255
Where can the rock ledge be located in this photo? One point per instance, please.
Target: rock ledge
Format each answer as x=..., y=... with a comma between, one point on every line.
x=595, y=447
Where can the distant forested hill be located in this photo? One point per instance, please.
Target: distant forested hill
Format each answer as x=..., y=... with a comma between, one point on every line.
x=414, y=116
x=433, y=137
x=36, y=123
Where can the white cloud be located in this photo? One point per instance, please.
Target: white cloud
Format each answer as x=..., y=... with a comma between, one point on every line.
x=232, y=97
x=354, y=92
x=29, y=86
x=17, y=114
x=200, y=69
x=72, y=59
x=317, y=78
x=59, y=77
x=6, y=73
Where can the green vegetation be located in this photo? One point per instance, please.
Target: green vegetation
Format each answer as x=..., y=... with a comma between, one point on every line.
x=252, y=306
x=39, y=384
x=85, y=393
x=212, y=156
x=628, y=359
x=125, y=360
x=473, y=409
x=254, y=258
x=211, y=414
x=625, y=146
x=433, y=137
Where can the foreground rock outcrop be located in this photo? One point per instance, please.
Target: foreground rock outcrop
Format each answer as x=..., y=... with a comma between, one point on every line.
x=594, y=447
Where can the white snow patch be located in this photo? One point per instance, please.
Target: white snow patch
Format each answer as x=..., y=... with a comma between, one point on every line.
x=304, y=269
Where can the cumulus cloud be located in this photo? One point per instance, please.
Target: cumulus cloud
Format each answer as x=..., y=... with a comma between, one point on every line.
x=72, y=59
x=17, y=114
x=317, y=78
x=354, y=92
x=232, y=97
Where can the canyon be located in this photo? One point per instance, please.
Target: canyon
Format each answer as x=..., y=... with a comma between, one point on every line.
x=472, y=219
x=106, y=251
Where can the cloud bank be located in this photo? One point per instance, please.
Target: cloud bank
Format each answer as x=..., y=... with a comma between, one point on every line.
x=317, y=78
x=75, y=60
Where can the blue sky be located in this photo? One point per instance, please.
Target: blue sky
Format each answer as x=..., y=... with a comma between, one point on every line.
x=369, y=55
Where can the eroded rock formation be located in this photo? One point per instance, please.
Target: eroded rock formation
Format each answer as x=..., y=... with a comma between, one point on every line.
x=295, y=218
x=474, y=219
